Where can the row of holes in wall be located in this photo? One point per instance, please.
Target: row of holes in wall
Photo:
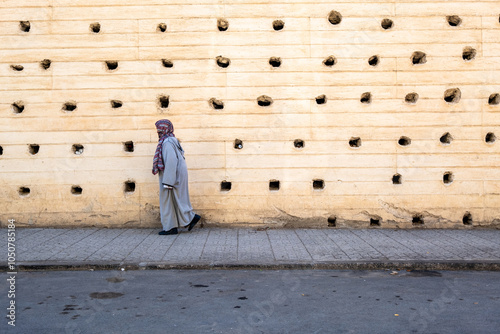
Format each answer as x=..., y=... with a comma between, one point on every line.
x=225, y=186
x=417, y=220
x=319, y=184
x=451, y=96
x=354, y=142
x=77, y=149
x=129, y=188
x=417, y=58
x=129, y=147
x=334, y=17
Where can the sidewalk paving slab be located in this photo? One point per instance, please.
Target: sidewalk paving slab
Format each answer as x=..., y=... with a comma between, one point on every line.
x=102, y=248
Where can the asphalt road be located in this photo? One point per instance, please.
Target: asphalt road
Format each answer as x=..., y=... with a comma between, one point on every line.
x=253, y=301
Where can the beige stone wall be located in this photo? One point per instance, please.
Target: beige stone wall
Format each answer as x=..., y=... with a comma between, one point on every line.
x=362, y=101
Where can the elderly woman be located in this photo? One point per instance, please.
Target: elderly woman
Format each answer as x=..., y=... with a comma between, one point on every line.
x=169, y=162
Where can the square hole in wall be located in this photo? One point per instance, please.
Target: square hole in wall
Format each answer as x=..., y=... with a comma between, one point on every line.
x=222, y=61
x=278, y=25
x=330, y=61
x=33, y=149
x=167, y=63
x=274, y=185
x=17, y=68
x=69, y=106
x=163, y=101
x=411, y=98
x=355, y=142
x=77, y=149
x=334, y=17
x=116, y=104
x=45, y=64
x=404, y=141
x=452, y=95
x=76, y=190
x=467, y=219
x=454, y=20
x=448, y=177
x=18, y=107
x=494, y=99
x=418, y=58
x=95, y=27
x=318, y=184
x=469, y=53
x=216, y=104
x=386, y=24
x=222, y=24
x=129, y=187
x=161, y=27
x=275, y=61
x=111, y=65
x=321, y=99
x=24, y=191
x=238, y=144
x=24, y=26
x=396, y=179
x=374, y=60
x=225, y=186
x=490, y=138
x=299, y=143
x=128, y=146
x=417, y=220
x=332, y=221
x=366, y=98
x=446, y=138
x=264, y=101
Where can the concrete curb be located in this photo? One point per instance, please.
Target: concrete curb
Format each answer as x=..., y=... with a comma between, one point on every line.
x=340, y=265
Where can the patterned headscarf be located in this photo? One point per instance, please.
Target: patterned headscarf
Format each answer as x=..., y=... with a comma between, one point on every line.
x=165, y=129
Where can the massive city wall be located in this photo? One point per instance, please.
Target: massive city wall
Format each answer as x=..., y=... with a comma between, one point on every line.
x=314, y=113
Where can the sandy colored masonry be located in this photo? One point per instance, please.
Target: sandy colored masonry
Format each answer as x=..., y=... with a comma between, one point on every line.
x=292, y=113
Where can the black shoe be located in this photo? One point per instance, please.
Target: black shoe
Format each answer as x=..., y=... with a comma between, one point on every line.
x=195, y=220
x=172, y=231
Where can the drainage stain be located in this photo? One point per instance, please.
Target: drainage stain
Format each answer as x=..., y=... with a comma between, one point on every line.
x=425, y=273
x=105, y=295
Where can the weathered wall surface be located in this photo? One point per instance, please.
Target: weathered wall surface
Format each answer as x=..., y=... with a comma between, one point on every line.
x=377, y=147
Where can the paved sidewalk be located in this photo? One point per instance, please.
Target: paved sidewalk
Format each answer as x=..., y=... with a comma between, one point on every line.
x=38, y=248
